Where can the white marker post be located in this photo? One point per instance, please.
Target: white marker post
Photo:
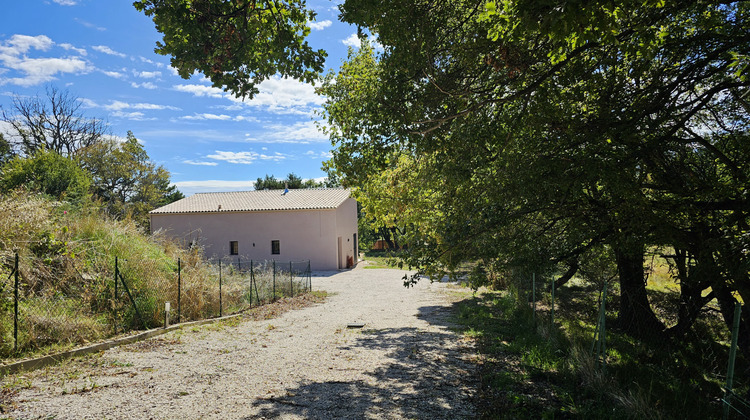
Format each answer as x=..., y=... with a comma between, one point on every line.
x=166, y=314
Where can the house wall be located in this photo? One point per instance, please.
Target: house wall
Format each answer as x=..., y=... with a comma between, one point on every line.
x=302, y=234
x=346, y=216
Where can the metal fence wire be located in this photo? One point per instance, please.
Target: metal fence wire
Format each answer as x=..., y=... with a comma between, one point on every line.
x=37, y=311
x=591, y=308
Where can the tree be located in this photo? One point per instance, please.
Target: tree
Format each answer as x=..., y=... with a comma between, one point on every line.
x=125, y=179
x=6, y=151
x=236, y=44
x=546, y=133
x=47, y=172
x=55, y=123
x=292, y=182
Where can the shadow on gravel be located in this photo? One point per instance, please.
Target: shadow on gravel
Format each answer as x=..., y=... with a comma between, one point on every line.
x=426, y=378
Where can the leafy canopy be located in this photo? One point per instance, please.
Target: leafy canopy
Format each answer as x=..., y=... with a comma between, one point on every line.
x=236, y=44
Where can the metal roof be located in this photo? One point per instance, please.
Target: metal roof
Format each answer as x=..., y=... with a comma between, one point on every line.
x=264, y=200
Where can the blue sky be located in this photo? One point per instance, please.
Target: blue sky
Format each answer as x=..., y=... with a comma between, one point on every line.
x=103, y=53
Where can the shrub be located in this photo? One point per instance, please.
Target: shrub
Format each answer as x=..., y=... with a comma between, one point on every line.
x=46, y=172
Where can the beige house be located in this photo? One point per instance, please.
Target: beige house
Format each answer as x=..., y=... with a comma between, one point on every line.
x=319, y=225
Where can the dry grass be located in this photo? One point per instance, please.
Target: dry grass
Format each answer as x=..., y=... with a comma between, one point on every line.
x=67, y=270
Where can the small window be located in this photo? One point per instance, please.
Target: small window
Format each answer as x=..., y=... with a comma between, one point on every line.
x=275, y=249
x=234, y=248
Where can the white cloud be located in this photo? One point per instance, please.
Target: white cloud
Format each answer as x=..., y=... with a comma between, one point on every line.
x=137, y=116
x=70, y=47
x=145, y=85
x=106, y=50
x=200, y=90
x=245, y=158
x=149, y=61
x=114, y=74
x=246, y=118
x=278, y=92
x=65, y=2
x=89, y=24
x=318, y=155
x=36, y=70
x=206, y=116
x=352, y=41
x=119, y=106
x=277, y=95
x=319, y=26
x=21, y=44
x=149, y=74
x=301, y=132
x=192, y=162
x=192, y=187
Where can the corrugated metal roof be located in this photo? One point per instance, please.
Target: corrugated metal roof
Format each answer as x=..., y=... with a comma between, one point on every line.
x=264, y=200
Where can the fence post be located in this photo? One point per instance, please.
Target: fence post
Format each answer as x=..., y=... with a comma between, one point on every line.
x=114, y=297
x=309, y=277
x=117, y=273
x=732, y=356
x=253, y=284
x=291, y=280
x=220, y=287
x=15, y=305
x=239, y=264
x=179, y=289
x=130, y=296
x=274, y=281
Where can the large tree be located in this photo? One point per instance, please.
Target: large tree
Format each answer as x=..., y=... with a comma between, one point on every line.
x=55, y=122
x=125, y=178
x=542, y=134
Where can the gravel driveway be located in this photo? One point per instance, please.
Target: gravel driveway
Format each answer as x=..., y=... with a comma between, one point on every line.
x=405, y=363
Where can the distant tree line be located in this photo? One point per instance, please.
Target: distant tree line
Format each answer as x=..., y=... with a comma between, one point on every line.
x=292, y=181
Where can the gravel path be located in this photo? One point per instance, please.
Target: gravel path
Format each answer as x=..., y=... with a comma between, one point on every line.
x=405, y=363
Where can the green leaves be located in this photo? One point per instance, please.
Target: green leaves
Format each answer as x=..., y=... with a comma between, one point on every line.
x=236, y=44
x=47, y=172
x=126, y=180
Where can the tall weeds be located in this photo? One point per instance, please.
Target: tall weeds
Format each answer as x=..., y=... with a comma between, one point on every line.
x=67, y=269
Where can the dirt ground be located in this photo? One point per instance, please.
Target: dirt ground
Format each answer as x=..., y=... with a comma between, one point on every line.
x=405, y=362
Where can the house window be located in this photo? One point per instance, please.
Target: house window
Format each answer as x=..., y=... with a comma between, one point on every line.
x=275, y=249
x=234, y=248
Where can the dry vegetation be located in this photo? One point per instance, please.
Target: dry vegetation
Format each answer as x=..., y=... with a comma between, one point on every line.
x=66, y=273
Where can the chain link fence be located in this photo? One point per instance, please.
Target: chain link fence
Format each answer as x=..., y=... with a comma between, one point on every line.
x=132, y=295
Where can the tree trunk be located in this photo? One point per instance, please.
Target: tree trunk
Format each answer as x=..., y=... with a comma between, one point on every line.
x=727, y=302
x=386, y=235
x=636, y=316
x=691, y=290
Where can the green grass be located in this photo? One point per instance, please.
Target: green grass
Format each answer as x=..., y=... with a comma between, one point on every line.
x=532, y=369
x=379, y=259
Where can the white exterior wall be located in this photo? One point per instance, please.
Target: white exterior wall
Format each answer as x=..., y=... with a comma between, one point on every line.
x=346, y=216
x=302, y=234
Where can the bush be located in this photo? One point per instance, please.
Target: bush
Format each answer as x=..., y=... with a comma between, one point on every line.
x=46, y=172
